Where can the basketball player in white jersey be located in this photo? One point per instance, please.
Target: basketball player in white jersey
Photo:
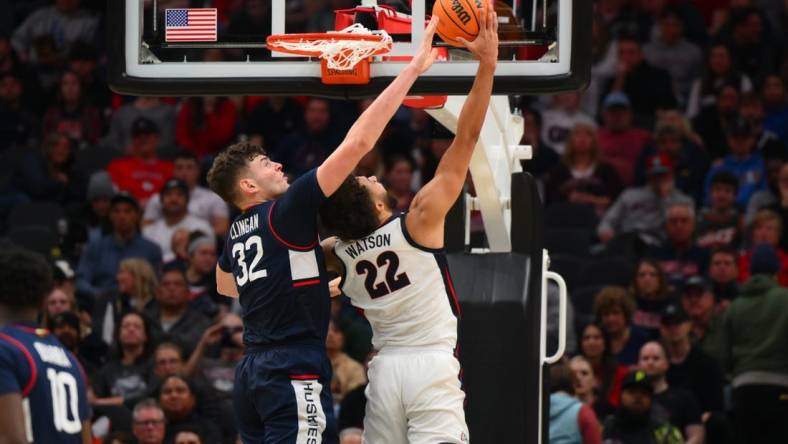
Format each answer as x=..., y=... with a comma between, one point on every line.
x=393, y=268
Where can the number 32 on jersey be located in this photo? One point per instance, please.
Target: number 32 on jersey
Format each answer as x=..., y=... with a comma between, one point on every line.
x=253, y=247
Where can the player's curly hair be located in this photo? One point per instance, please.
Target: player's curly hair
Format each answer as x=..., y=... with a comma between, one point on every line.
x=349, y=213
x=223, y=175
x=25, y=278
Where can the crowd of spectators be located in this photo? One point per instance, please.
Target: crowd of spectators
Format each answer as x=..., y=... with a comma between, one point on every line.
x=676, y=153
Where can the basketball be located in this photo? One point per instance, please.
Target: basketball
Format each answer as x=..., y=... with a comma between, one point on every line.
x=458, y=18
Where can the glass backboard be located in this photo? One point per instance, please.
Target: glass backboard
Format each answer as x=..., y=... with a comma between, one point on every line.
x=161, y=47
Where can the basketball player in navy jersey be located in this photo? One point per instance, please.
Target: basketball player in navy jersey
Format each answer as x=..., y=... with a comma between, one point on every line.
x=43, y=398
x=393, y=268
x=274, y=264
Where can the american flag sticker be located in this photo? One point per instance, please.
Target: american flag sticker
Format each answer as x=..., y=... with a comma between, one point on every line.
x=190, y=25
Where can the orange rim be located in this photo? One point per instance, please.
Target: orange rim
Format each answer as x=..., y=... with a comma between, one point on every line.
x=273, y=41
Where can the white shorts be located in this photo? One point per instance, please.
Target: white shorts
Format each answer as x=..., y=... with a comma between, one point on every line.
x=414, y=396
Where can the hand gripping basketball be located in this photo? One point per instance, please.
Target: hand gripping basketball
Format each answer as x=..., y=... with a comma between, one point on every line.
x=426, y=54
x=485, y=45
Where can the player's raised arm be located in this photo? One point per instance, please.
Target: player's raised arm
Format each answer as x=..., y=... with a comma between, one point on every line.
x=365, y=132
x=430, y=205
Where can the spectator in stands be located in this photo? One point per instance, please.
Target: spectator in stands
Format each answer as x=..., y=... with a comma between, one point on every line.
x=586, y=389
x=775, y=101
x=149, y=422
x=608, y=373
x=83, y=61
x=698, y=302
x=647, y=87
x=677, y=118
x=613, y=310
x=141, y=173
x=10, y=63
x=178, y=401
x=780, y=205
x=48, y=174
x=681, y=405
x=720, y=223
x=767, y=144
x=679, y=255
x=67, y=327
x=206, y=125
x=101, y=258
x=174, y=198
x=93, y=216
x=353, y=406
x=649, y=14
x=398, y=177
x=690, y=367
x=671, y=51
x=126, y=378
x=203, y=203
x=637, y=421
x=219, y=371
x=751, y=55
x=641, y=210
x=19, y=121
x=121, y=131
x=747, y=165
x=724, y=274
x=603, y=63
x=620, y=143
x=305, y=149
x=72, y=115
x=559, y=120
x=754, y=337
x=56, y=302
x=544, y=156
x=690, y=161
x=571, y=421
x=173, y=318
x=719, y=72
x=347, y=372
x=582, y=177
x=713, y=121
x=64, y=21
x=273, y=119
x=766, y=229
x=650, y=289
x=188, y=435
x=201, y=275
x=137, y=284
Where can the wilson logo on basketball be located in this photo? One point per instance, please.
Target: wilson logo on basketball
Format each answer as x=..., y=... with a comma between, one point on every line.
x=462, y=14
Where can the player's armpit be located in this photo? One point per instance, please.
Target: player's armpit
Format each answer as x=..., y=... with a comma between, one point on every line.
x=12, y=421
x=225, y=283
x=332, y=262
x=333, y=287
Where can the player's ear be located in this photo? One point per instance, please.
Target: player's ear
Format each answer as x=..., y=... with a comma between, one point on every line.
x=247, y=186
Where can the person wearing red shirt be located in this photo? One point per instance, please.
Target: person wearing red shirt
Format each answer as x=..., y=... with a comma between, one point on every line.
x=766, y=229
x=141, y=173
x=206, y=125
x=620, y=143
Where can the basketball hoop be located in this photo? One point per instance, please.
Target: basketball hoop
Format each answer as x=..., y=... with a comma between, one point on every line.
x=344, y=55
x=425, y=102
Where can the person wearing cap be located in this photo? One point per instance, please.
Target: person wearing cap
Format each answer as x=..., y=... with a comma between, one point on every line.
x=141, y=173
x=174, y=197
x=720, y=222
x=681, y=405
x=690, y=367
x=121, y=134
x=561, y=117
x=678, y=254
x=706, y=316
x=641, y=210
x=94, y=216
x=745, y=164
x=754, y=340
x=98, y=265
x=203, y=202
x=620, y=143
x=638, y=421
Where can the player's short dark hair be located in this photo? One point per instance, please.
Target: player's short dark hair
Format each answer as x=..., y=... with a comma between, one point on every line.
x=25, y=278
x=726, y=178
x=228, y=165
x=350, y=212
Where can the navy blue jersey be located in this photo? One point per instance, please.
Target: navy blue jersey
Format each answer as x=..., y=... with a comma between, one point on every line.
x=50, y=380
x=273, y=252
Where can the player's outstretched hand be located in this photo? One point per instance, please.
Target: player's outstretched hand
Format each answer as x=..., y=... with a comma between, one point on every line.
x=426, y=54
x=485, y=45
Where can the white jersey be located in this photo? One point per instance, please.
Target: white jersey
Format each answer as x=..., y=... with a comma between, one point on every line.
x=404, y=289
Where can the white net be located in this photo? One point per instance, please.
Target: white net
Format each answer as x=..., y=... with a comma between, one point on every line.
x=340, y=54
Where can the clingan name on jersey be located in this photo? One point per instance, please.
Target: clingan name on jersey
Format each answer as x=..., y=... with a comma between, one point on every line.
x=374, y=241
x=52, y=354
x=244, y=226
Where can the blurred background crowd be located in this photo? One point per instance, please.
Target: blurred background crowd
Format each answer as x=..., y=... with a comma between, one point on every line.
x=665, y=185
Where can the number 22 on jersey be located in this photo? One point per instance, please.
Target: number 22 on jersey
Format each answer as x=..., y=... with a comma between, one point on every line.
x=392, y=282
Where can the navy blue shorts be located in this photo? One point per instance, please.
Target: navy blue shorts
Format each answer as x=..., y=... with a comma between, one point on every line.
x=283, y=396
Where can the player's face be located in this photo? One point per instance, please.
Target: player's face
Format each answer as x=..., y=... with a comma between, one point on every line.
x=176, y=398
x=375, y=189
x=653, y=360
x=267, y=177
